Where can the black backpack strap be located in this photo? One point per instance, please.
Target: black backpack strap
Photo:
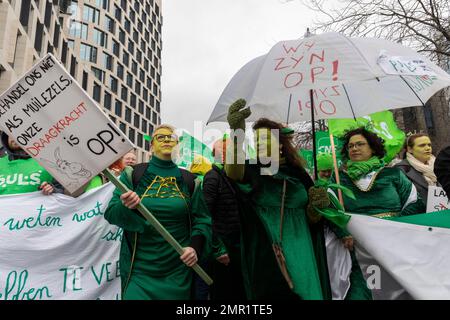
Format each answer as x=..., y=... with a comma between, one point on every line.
x=138, y=172
x=189, y=179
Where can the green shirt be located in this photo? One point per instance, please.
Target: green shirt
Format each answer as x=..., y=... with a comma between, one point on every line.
x=21, y=176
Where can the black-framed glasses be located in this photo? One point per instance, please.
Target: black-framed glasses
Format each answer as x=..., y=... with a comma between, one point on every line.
x=357, y=145
x=164, y=137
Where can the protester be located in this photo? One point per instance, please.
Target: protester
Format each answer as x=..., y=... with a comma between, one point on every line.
x=379, y=191
x=149, y=267
x=220, y=196
x=442, y=169
x=279, y=246
x=418, y=164
x=324, y=166
x=129, y=159
x=20, y=173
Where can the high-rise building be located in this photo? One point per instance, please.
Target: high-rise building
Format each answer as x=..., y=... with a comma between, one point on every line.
x=111, y=47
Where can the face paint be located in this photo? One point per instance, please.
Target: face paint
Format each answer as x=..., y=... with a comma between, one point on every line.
x=162, y=147
x=422, y=149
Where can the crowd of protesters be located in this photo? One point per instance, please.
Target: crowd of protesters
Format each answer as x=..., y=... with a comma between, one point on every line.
x=256, y=231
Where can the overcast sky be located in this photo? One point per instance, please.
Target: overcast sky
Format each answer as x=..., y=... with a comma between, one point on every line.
x=205, y=42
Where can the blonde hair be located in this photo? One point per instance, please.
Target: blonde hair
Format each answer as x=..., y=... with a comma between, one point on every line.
x=163, y=126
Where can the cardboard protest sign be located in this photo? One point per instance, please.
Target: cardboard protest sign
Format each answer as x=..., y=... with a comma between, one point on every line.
x=437, y=199
x=58, y=247
x=55, y=121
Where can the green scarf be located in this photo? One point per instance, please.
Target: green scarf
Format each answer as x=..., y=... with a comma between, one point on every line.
x=357, y=169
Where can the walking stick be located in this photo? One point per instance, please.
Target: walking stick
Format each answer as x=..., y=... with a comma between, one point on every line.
x=155, y=223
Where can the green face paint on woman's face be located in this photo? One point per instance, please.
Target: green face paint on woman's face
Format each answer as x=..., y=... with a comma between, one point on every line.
x=266, y=143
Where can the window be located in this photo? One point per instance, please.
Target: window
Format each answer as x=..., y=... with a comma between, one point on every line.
x=132, y=16
x=150, y=128
x=125, y=58
x=137, y=88
x=97, y=92
x=128, y=115
x=91, y=14
x=152, y=72
x=139, y=26
x=141, y=106
x=134, y=68
x=139, y=56
x=116, y=48
x=144, y=125
x=146, y=64
x=127, y=25
x=133, y=100
x=131, y=134
x=154, y=117
x=145, y=94
x=123, y=5
x=135, y=36
x=123, y=127
x=113, y=119
x=109, y=24
x=38, y=37
x=113, y=84
x=122, y=36
x=139, y=140
x=107, y=61
x=119, y=70
x=88, y=53
x=143, y=45
x=129, y=80
x=99, y=74
x=118, y=108
x=107, y=100
x=153, y=45
x=131, y=47
x=157, y=105
x=85, y=80
x=152, y=100
x=137, y=120
x=102, y=4
x=124, y=94
x=70, y=43
x=142, y=76
x=117, y=13
x=100, y=38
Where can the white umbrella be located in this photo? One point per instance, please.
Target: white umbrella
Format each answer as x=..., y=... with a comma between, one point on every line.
x=350, y=77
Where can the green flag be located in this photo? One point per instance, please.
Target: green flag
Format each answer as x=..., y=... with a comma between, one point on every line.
x=189, y=147
x=382, y=123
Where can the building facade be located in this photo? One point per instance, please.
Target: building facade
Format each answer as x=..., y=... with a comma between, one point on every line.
x=111, y=47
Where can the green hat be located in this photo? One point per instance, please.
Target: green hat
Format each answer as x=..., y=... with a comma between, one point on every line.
x=324, y=161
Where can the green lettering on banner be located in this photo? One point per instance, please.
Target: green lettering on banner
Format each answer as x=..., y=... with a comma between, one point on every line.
x=113, y=236
x=89, y=214
x=103, y=271
x=117, y=269
x=74, y=271
x=15, y=288
x=32, y=222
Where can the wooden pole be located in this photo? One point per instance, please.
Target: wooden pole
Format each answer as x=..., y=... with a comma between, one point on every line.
x=336, y=169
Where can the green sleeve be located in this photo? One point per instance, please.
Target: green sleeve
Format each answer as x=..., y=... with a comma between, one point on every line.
x=94, y=183
x=338, y=231
x=408, y=196
x=218, y=247
x=119, y=215
x=201, y=219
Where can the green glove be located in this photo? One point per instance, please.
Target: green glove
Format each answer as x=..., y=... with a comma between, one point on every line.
x=236, y=116
x=318, y=198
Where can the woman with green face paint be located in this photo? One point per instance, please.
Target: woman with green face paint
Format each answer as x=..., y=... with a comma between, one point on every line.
x=283, y=254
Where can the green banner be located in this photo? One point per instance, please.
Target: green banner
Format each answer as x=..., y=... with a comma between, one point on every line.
x=189, y=147
x=382, y=123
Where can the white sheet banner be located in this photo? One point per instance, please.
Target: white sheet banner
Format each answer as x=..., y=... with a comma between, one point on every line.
x=58, y=247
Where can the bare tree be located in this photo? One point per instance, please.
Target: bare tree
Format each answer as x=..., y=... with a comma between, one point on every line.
x=423, y=25
x=303, y=133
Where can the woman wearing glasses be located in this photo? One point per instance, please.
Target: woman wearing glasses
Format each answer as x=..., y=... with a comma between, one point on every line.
x=379, y=191
x=150, y=268
x=418, y=164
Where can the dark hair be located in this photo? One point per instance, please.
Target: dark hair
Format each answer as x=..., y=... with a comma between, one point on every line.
x=375, y=142
x=287, y=149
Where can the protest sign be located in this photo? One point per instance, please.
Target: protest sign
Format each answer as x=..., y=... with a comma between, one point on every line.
x=51, y=117
x=437, y=199
x=58, y=247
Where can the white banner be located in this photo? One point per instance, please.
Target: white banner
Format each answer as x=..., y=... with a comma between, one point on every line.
x=437, y=199
x=58, y=247
x=398, y=65
x=51, y=117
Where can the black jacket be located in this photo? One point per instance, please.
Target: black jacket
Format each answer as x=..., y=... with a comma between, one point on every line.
x=220, y=197
x=416, y=178
x=442, y=169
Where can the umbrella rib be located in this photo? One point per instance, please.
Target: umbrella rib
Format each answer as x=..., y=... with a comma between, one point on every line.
x=423, y=104
x=349, y=102
x=289, y=109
